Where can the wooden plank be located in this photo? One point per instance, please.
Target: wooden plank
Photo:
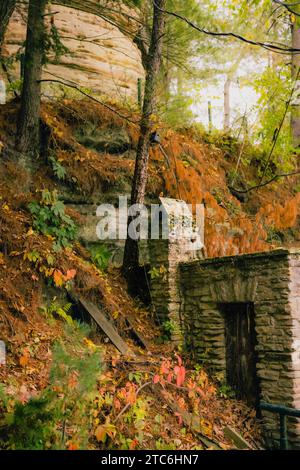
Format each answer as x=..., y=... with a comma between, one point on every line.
x=236, y=438
x=106, y=326
x=136, y=335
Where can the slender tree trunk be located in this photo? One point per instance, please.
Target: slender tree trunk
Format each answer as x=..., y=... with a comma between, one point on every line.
x=131, y=254
x=295, y=106
x=227, y=104
x=6, y=10
x=28, y=129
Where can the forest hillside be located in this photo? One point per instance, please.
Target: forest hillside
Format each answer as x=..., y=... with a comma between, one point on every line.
x=104, y=99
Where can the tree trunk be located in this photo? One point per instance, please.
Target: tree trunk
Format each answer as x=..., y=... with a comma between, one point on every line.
x=227, y=104
x=295, y=105
x=131, y=254
x=6, y=10
x=28, y=130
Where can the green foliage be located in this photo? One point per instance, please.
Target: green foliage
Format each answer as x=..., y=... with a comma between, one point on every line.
x=15, y=86
x=225, y=391
x=156, y=273
x=100, y=255
x=60, y=416
x=30, y=426
x=168, y=328
x=274, y=89
x=178, y=111
x=63, y=311
x=53, y=44
x=49, y=218
x=274, y=236
x=162, y=445
x=57, y=168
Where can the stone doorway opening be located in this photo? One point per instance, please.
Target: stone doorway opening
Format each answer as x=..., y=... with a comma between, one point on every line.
x=241, y=356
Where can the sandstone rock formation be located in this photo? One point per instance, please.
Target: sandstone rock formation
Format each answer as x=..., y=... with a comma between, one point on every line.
x=101, y=57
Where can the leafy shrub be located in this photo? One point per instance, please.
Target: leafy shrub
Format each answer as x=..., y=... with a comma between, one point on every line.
x=49, y=218
x=60, y=417
x=63, y=311
x=57, y=168
x=100, y=256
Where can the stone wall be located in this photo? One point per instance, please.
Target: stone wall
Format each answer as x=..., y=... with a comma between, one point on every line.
x=272, y=282
x=164, y=257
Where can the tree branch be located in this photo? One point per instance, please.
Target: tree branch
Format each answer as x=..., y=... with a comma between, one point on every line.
x=274, y=178
x=288, y=6
x=75, y=87
x=268, y=45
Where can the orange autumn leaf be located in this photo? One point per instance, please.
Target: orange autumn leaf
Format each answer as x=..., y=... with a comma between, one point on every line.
x=133, y=444
x=24, y=359
x=71, y=273
x=100, y=434
x=58, y=278
x=104, y=431
x=72, y=446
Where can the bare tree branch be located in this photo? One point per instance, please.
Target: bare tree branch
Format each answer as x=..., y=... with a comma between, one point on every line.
x=274, y=178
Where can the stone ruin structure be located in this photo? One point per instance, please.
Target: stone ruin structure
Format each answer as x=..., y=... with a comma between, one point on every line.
x=238, y=315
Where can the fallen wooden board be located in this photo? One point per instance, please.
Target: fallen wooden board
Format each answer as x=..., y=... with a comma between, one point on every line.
x=105, y=326
x=136, y=335
x=236, y=438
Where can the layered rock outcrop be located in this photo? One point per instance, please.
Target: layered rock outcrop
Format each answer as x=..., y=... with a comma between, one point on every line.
x=101, y=57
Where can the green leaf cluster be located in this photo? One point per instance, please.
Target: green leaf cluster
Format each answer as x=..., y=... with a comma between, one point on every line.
x=49, y=218
x=100, y=255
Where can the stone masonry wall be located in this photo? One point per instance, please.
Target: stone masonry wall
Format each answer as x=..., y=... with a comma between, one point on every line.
x=272, y=282
x=165, y=256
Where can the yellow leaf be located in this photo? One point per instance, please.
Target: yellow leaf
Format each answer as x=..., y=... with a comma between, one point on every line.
x=100, y=434
x=14, y=253
x=90, y=344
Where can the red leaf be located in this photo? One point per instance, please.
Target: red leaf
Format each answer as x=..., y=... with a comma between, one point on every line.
x=180, y=420
x=165, y=367
x=156, y=379
x=180, y=375
x=179, y=360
